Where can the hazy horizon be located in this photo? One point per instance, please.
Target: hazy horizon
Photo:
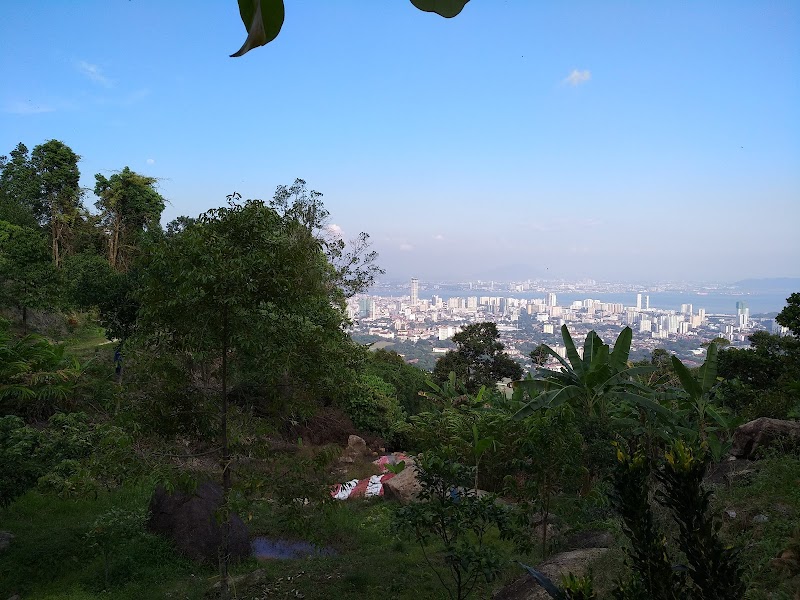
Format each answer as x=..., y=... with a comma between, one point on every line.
x=573, y=140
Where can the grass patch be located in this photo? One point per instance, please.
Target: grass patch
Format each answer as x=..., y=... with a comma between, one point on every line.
x=773, y=492
x=50, y=556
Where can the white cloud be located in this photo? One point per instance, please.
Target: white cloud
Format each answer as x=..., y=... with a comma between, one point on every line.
x=406, y=247
x=438, y=236
x=94, y=73
x=151, y=161
x=577, y=77
x=27, y=108
x=335, y=230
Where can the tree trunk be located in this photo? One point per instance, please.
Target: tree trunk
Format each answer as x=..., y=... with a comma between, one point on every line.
x=226, y=460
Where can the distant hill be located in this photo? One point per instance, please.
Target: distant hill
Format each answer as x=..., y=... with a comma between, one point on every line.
x=775, y=284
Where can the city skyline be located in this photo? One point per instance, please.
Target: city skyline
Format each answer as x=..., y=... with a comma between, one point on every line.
x=515, y=140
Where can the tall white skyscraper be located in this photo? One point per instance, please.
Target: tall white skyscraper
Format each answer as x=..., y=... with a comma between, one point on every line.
x=551, y=299
x=414, y=291
x=647, y=302
x=638, y=302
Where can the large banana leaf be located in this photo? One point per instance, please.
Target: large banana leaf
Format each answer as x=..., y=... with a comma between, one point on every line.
x=572, y=351
x=708, y=371
x=558, y=357
x=549, y=399
x=689, y=383
x=618, y=359
x=546, y=584
x=645, y=403
x=591, y=349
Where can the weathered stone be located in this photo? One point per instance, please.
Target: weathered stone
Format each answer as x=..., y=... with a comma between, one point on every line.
x=356, y=448
x=755, y=436
x=574, y=561
x=190, y=520
x=403, y=487
x=758, y=519
x=5, y=539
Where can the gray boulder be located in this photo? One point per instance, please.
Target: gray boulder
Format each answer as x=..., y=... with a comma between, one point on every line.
x=403, y=487
x=762, y=433
x=5, y=539
x=576, y=562
x=190, y=521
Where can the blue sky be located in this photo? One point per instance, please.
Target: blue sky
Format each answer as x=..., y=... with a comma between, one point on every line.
x=612, y=140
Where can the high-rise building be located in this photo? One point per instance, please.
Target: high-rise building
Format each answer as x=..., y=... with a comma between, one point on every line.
x=742, y=314
x=366, y=308
x=414, y=291
x=551, y=299
x=647, y=302
x=638, y=302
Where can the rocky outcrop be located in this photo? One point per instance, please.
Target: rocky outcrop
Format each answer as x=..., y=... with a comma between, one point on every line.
x=190, y=521
x=751, y=438
x=403, y=487
x=573, y=561
x=356, y=449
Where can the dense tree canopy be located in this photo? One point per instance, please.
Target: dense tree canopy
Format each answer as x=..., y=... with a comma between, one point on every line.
x=479, y=359
x=28, y=278
x=129, y=205
x=790, y=315
x=59, y=195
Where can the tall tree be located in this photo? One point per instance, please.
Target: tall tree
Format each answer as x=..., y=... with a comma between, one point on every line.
x=20, y=201
x=129, y=205
x=56, y=168
x=479, y=359
x=28, y=278
x=241, y=284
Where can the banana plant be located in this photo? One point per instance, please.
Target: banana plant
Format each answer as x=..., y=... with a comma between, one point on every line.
x=696, y=401
x=591, y=382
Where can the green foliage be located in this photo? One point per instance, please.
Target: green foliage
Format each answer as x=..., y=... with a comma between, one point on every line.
x=111, y=532
x=36, y=377
x=129, y=205
x=19, y=191
x=263, y=19
x=790, y=314
x=477, y=430
x=452, y=517
x=540, y=355
x=17, y=455
x=713, y=567
x=700, y=416
x=407, y=380
x=70, y=456
x=90, y=280
x=593, y=384
x=59, y=197
x=479, y=359
x=372, y=405
x=547, y=461
x=763, y=380
x=28, y=278
x=646, y=556
x=713, y=571
x=164, y=397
